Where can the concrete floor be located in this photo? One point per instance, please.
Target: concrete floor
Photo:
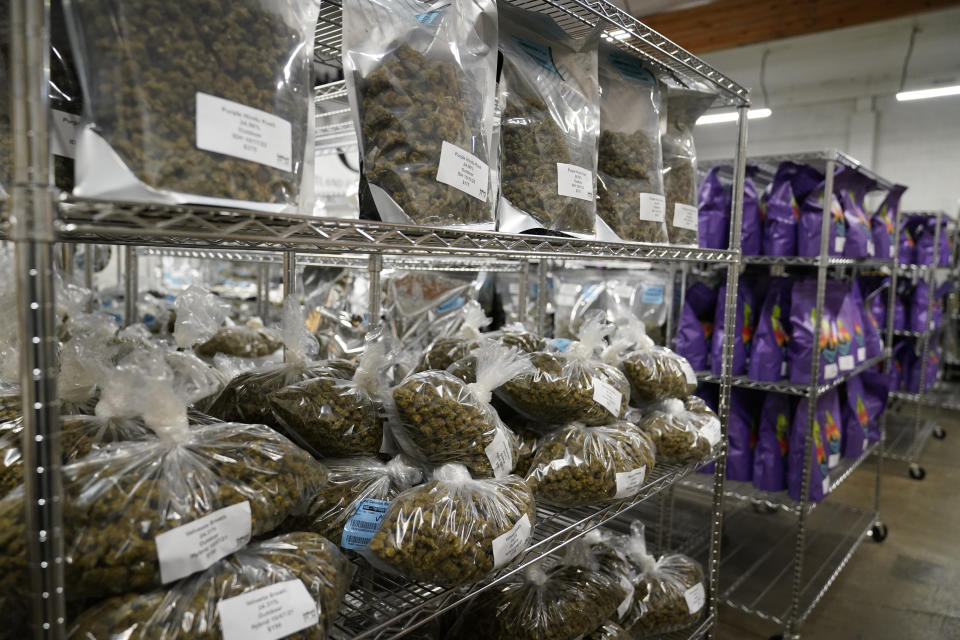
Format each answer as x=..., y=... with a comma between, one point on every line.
x=907, y=587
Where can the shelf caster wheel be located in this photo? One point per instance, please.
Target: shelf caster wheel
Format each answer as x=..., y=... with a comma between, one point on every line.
x=917, y=472
x=939, y=433
x=879, y=532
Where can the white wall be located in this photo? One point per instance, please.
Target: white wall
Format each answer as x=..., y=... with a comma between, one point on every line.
x=836, y=89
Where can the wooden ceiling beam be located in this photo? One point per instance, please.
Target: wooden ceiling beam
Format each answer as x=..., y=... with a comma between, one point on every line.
x=733, y=23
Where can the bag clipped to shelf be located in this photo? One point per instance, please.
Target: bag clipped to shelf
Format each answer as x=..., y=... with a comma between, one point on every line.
x=293, y=584
x=630, y=203
x=455, y=529
x=222, y=117
x=549, y=127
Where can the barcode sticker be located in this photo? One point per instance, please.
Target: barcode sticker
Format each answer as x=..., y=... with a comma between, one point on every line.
x=607, y=396
x=574, y=182
x=268, y=613
x=499, y=454
x=847, y=362
x=364, y=523
x=830, y=371
x=509, y=545
x=685, y=216
x=652, y=208
x=462, y=170
x=696, y=597
x=862, y=354
x=196, y=545
x=630, y=482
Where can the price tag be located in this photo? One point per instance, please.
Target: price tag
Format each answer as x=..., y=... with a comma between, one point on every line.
x=696, y=597
x=607, y=396
x=864, y=446
x=364, y=523
x=197, y=545
x=629, y=589
x=847, y=362
x=826, y=485
x=871, y=248
x=830, y=371
x=784, y=369
x=234, y=129
x=653, y=207
x=574, y=182
x=509, y=545
x=498, y=452
x=838, y=244
x=862, y=354
x=685, y=216
x=833, y=460
x=630, y=482
x=63, y=133
x=464, y=171
x=268, y=613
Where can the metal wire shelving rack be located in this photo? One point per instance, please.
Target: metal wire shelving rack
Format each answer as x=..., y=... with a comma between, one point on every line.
x=38, y=217
x=777, y=531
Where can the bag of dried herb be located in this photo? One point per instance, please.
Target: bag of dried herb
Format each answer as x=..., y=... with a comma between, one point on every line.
x=544, y=602
x=446, y=350
x=357, y=493
x=684, y=106
x=579, y=465
x=126, y=504
x=421, y=78
x=669, y=592
x=549, y=95
x=656, y=373
x=517, y=336
x=455, y=529
x=630, y=199
x=440, y=418
x=330, y=414
x=222, y=118
x=302, y=574
x=681, y=435
x=571, y=386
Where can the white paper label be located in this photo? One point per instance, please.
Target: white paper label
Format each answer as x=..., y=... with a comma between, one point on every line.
x=63, y=134
x=509, y=545
x=653, y=207
x=574, y=182
x=197, y=545
x=711, y=431
x=629, y=482
x=268, y=613
x=830, y=371
x=688, y=372
x=464, y=171
x=838, y=244
x=864, y=446
x=607, y=396
x=862, y=354
x=846, y=362
x=833, y=460
x=826, y=486
x=784, y=369
x=628, y=588
x=685, y=216
x=234, y=129
x=696, y=597
x=871, y=249
x=498, y=452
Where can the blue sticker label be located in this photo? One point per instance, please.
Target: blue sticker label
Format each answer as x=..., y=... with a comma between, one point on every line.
x=451, y=304
x=652, y=295
x=561, y=344
x=364, y=523
x=630, y=67
x=428, y=17
x=540, y=53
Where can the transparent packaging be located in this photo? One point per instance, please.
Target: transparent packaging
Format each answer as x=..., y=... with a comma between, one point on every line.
x=681, y=436
x=657, y=373
x=446, y=350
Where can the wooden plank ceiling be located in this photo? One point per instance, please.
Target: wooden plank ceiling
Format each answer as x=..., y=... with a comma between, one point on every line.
x=732, y=23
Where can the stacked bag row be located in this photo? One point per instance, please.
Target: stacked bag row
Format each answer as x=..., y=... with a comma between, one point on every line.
x=918, y=237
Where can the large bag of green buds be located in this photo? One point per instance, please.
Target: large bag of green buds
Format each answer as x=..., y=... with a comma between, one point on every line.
x=446, y=350
x=439, y=418
x=455, y=529
x=200, y=318
x=682, y=433
x=292, y=585
x=657, y=373
x=142, y=513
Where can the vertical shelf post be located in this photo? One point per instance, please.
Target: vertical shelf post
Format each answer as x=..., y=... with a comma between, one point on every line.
x=374, y=268
x=130, y=286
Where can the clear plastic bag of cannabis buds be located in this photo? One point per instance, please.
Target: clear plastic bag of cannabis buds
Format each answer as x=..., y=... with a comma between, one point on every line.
x=333, y=415
x=220, y=114
x=296, y=581
x=684, y=106
x=134, y=511
x=440, y=418
x=446, y=350
x=630, y=203
x=669, y=592
x=682, y=436
x=348, y=509
x=455, y=529
x=544, y=602
x=421, y=78
x=550, y=122
x=579, y=465
x=571, y=386
x=200, y=317
x=657, y=373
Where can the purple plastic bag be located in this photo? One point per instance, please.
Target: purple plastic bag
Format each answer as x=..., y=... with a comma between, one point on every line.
x=713, y=203
x=904, y=293
x=922, y=229
x=773, y=439
x=742, y=433
x=907, y=252
x=743, y=335
x=804, y=179
x=856, y=419
x=808, y=229
x=919, y=302
x=709, y=393
x=876, y=392
x=945, y=254
x=769, y=355
x=883, y=223
x=900, y=349
x=867, y=331
x=851, y=187
x=751, y=239
x=819, y=469
x=802, y=308
x=782, y=213
x=848, y=317
x=695, y=328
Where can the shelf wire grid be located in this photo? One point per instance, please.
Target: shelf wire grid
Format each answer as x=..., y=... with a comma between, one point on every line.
x=767, y=164
x=904, y=443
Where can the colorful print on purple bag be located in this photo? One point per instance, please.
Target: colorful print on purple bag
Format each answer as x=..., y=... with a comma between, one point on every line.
x=851, y=186
x=773, y=440
x=876, y=392
x=769, y=356
x=819, y=470
x=743, y=333
x=856, y=420
x=883, y=223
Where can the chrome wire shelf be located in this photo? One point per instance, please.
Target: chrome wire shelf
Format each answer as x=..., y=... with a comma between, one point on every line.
x=234, y=229
x=904, y=442
x=792, y=388
x=778, y=500
x=813, y=261
x=767, y=164
x=757, y=563
x=379, y=605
